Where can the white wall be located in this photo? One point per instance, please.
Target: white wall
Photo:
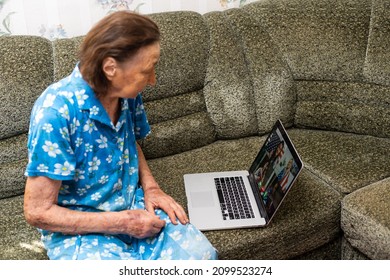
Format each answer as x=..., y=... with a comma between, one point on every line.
x=68, y=18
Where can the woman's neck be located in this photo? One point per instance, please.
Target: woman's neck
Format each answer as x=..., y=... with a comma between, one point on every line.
x=112, y=106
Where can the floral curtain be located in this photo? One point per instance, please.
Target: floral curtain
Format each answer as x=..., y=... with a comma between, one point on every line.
x=68, y=18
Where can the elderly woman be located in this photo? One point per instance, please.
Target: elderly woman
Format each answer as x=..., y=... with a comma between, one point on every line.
x=89, y=189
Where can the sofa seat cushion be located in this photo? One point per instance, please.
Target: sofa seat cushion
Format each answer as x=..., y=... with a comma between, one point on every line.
x=365, y=219
x=18, y=240
x=308, y=219
x=345, y=161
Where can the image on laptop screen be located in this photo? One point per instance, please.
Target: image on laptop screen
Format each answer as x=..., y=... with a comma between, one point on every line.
x=274, y=170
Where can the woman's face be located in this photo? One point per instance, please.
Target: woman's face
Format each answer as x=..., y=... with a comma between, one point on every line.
x=132, y=76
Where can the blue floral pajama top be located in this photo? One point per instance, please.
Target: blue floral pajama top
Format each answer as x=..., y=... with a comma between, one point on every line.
x=72, y=139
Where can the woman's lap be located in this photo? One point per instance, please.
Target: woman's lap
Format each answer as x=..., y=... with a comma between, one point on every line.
x=173, y=242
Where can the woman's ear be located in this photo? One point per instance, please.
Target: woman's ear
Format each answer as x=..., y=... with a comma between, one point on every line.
x=109, y=67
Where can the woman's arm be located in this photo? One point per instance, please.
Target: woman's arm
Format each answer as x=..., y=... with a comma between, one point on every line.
x=41, y=210
x=154, y=196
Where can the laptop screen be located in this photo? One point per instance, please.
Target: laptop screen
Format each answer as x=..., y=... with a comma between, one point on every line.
x=275, y=168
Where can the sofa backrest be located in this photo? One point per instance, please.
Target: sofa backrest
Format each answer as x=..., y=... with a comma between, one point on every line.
x=337, y=52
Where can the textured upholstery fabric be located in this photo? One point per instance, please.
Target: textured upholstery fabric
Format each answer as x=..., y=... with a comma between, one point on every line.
x=376, y=67
x=13, y=153
x=347, y=162
x=18, y=240
x=320, y=40
x=365, y=219
x=228, y=88
x=273, y=86
x=65, y=56
x=24, y=73
x=351, y=107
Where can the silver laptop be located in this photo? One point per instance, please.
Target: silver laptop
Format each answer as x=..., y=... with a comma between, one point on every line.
x=249, y=198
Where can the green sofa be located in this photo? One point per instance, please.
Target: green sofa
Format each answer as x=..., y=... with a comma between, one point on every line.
x=321, y=66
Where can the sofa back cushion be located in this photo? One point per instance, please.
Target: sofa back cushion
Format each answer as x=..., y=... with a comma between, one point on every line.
x=26, y=68
x=273, y=85
x=377, y=66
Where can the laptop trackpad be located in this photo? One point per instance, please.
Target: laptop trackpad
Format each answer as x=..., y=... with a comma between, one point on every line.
x=202, y=199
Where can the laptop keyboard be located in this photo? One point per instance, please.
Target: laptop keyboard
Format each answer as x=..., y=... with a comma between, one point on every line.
x=233, y=198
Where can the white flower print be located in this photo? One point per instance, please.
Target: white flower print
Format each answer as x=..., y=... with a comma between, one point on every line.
x=78, y=142
x=141, y=249
x=130, y=189
x=206, y=255
x=109, y=159
x=94, y=110
x=68, y=95
x=166, y=254
x=89, y=126
x=56, y=86
x=51, y=149
x=74, y=125
x=176, y=235
x=69, y=202
x=105, y=206
x=126, y=156
x=63, y=169
x=81, y=191
x=43, y=168
x=70, y=242
x=47, y=127
x=185, y=244
x=88, y=147
x=117, y=186
x=49, y=100
x=199, y=237
x=65, y=133
x=103, y=179
x=77, y=73
x=81, y=96
x=93, y=256
x=120, y=143
x=94, y=164
x=106, y=254
x=56, y=251
x=120, y=200
x=132, y=170
x=112, y=247
x=102, y=142
x=38, y=115
x=96, y=196
x=64, y=189
x=64, y=112
x=34, y=142
x=79, y=175
x=139, y=110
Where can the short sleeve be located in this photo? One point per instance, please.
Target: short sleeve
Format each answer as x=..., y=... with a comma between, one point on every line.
x=141, y=124
x=49, y=150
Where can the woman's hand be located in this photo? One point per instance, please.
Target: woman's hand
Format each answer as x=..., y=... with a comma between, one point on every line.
x=142, y=224
x=156, y=198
